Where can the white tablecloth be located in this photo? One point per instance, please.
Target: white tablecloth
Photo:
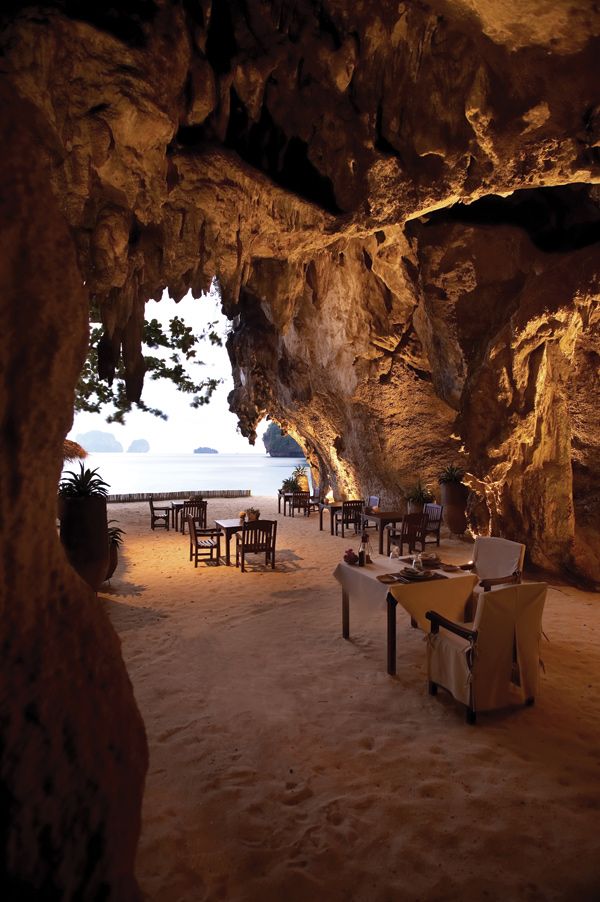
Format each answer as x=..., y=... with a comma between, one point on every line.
x=446, y=596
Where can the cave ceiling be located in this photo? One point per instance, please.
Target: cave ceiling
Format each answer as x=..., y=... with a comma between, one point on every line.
x=400, y=204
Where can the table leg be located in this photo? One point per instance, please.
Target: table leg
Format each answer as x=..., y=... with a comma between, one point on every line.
x=392, y=604
x=320, y=519
x=278, y=504
x=345, y=615
x=227, y=547
x=331, y=521
x=382, y=525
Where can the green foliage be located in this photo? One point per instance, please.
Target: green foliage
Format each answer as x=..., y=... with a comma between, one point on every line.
x=290, y=484
x=115, y=533
x=252, y=513
x=299, y=471
x=279, y=445
x=84, y=484
x=93, y=394
x=419, y=494
x=451, y=473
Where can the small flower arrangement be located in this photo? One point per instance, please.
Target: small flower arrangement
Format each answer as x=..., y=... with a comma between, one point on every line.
x=252, y=513
x=242, y=515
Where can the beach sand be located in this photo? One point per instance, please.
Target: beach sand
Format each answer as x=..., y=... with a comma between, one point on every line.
x=287, y=766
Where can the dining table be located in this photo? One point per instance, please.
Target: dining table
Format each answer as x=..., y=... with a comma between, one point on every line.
x=382, y=585
x=176, y=508
x=383, y=518
x=333, y=507
x=228, y=528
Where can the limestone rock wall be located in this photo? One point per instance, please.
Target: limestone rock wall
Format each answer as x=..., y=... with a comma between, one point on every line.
x=72, y=745
x=400, y=204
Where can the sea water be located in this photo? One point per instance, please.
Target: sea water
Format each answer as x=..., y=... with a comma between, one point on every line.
x=132, y=473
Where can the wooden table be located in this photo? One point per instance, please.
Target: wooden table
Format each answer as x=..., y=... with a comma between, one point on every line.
x=332, y=507
x=228, y=527
x=176, y=508
x=448, y=596
x=383, y=518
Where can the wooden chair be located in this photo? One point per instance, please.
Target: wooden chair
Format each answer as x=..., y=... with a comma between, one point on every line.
x=300, y=501
x=350, y=515
x=495, y=661
x=371, y=502
x=313, y=504
x=159, y=516
x=434, y=522
x=204, y=543
x=256, y=537
x=411, y=533
x=196, y=509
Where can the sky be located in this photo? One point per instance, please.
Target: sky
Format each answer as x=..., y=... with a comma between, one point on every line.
x=212, y=425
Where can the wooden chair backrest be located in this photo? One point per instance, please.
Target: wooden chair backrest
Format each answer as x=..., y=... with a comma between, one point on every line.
x=259, y=535
x=352, y=511
x=300, y=499
x=192, y=528
x=413, y=526
x=434, y=514
x=196, y=509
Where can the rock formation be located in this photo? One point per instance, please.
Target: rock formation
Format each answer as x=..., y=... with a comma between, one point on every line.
x=99, y=441
x=139, y=446
x=400, y=204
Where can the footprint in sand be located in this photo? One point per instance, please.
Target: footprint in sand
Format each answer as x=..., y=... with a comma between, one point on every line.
x=295, y=794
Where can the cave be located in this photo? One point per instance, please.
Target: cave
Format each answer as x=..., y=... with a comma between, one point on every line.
x=400, y=204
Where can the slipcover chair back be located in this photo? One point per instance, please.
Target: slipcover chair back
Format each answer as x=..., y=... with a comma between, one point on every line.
x=496, y=663
x=494, y=557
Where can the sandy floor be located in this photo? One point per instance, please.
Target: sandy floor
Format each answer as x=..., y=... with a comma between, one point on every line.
x=285, y=764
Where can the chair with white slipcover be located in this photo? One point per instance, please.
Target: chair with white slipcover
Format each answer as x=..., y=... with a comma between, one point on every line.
x=493, y=662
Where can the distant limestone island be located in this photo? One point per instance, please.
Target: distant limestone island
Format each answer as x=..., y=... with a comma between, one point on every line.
x=203, y=450
x=279, y=445
x=139, y=446
x=102, y=442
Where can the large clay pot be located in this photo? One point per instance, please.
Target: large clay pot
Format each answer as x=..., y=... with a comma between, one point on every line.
x=303, y=484
x=113, y=559
x=84, y=534
x=414, y=507
x=454, y=499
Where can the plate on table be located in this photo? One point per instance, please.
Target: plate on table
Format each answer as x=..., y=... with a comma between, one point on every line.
x=411, y=573
x=450, y=568
x=389, y=579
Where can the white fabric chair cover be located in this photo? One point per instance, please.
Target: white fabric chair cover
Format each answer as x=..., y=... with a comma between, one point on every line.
x=502, y=665
x=494, y=557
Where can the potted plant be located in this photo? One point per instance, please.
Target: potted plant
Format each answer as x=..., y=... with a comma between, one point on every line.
x=252, y=513
x=454, y=498
x=290, y=485
x=115, y=539
x=83, y=524
x=301, y=477
x=417, y=495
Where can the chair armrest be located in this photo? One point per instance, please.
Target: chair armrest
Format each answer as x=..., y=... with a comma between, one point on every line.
x=437, y=620
x=208, y=532
x=486, y=584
